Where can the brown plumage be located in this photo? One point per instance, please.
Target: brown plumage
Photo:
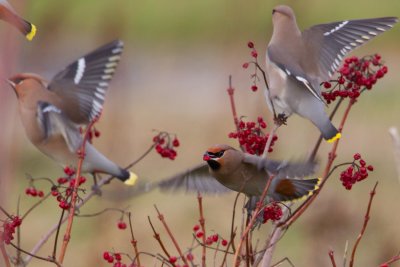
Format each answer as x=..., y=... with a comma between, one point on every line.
x=227, y=169
x=52, y=113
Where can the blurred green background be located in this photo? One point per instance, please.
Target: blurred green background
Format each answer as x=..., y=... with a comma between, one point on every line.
x=173, y=76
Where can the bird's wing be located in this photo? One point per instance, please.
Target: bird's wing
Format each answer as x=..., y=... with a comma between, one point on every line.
x=286, y=169
x=83, y=84
x=337, y=39
x=196, y=179
x=283, y=60
x=54, y=122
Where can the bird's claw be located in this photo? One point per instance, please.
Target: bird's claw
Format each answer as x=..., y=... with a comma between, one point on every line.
x=280, y=119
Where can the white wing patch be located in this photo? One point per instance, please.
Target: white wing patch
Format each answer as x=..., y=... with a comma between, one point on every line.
x=338, y=27
x=80, y=70
x=307, y=84
x=51, y=108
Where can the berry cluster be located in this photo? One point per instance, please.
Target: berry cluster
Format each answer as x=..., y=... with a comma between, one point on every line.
x=63, y=191
x=356, y=172
x=272, y=212
x=251, y=137
x=210, y=239
x=6, y=235
x=254, y=54
x=32, y=191
x=114, y=258
x=165, y=145
x=356, y=76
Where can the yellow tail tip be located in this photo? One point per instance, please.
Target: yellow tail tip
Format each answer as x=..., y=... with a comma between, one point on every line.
x=32, y=33
x=336, y=137
x=132, y=179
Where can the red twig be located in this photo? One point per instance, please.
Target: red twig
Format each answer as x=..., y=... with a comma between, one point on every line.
x=157, y=237
x=134, y=241
x=332, y=257
x=331, y=158
x=251, y=223
x=81, y=155
x=366, y=219
x=161, y=218
x=4, y=252
x=393, y=259
x=203, y=228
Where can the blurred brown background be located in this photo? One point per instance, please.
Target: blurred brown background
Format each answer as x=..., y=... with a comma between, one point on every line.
x=173, y=76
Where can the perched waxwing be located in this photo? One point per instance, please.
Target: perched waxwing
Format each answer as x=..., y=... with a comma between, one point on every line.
x=226, y=169
x=8, y=14
x=298, y=62
x=52, y=113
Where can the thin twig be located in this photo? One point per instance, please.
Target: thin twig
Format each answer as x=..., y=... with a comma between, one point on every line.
x=102, y=182
x=81, y=155
x=331, y=158
x=393, y=259
x=157, y=237
x=134, y=241
x=161, y=218
x=227, y=248
x=231, y=93
x=366, y=219
x=60, y=221
x=252, y=220
x=332, y=257
x=35, y=205
x=49, y=259
x=4, y=252
x=203, y=228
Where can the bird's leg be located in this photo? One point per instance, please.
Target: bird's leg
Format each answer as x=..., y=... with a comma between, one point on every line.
x=95, y=186
x=280, y=119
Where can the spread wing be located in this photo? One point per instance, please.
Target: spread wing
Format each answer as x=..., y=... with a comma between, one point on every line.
x=337, y=39
x=83, y=84
x=53, y=122
x=282, y=168
x=196, y=179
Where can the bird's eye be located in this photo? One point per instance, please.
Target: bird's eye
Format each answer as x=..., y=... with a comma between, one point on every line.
x=273, y=11
x=220, y=153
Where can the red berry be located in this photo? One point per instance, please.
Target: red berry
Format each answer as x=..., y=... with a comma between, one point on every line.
x=196, y=228
x=224, y=242
x=327, y=85
x=189, y=256
x=121, y=225
x=215, y=238
x=106, y=255
x=117, y=256
x=254, y=53
x=96, y=133
x=245, y=65
x=250, y=44
x=40, y=193
x=175, y=142
x=199, y=234
x=357, y=156
x=172, y=259
x=370, y=168
x=254, y=88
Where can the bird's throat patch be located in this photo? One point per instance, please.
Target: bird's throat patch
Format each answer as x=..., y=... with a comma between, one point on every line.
x=214, y=165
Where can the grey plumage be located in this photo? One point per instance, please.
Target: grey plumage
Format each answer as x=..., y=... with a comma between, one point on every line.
x=298, y=62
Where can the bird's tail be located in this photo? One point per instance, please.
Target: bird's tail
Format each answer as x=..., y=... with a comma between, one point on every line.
x=329, y=132
x=8, y=14
x=129, y=178
x=288, y=189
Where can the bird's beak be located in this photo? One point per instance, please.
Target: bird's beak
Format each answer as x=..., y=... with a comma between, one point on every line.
x=206, y=157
